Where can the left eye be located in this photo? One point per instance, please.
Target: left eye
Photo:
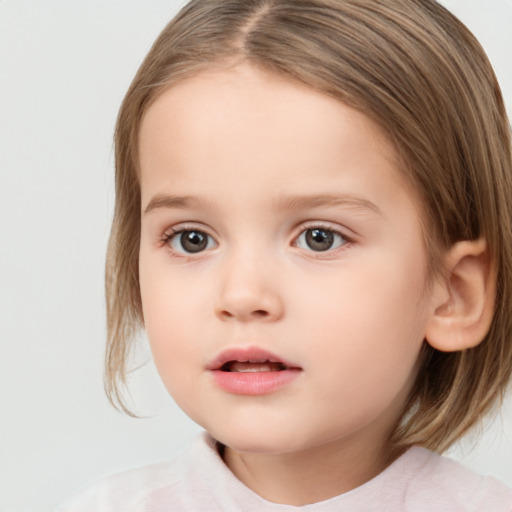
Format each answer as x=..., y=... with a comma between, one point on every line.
x=320, y=239
x=191, y=241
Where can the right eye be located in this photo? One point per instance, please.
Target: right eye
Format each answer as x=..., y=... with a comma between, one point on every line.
x=190, y=241
x=319, y=239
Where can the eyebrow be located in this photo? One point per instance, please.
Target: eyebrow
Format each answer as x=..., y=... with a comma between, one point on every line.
x=170, y=202
x=304, y=202
x=288, y=203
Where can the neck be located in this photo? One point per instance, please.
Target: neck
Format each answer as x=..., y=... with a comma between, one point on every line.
x=311, y=475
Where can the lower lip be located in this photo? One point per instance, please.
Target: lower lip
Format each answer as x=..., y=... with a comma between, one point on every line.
x=254, y=383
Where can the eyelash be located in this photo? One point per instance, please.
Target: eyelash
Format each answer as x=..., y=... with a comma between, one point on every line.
x=168, y=238
x=322, y=227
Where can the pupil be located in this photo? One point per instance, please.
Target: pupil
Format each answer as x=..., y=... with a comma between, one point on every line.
x=193, y=241
x=319, y=239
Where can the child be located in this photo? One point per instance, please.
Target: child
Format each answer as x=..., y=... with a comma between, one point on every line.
x=313, y=224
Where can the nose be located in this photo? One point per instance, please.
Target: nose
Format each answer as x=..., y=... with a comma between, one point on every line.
x=249, y=291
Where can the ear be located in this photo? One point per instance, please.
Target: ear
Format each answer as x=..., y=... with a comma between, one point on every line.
x=463, y=298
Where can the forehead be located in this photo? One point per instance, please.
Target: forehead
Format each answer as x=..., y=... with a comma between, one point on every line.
x=244, y=97
x=222, y=124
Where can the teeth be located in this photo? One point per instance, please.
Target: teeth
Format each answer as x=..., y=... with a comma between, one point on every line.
x=252, y=366
x=259, y=368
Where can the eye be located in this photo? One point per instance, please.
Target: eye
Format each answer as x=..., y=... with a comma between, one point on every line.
x=190, y=241
x=320, y=239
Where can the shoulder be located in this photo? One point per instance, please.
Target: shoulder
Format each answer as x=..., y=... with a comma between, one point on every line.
x=447, y=485
x=149, y=488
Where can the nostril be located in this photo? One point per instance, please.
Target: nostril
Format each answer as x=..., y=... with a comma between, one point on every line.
x=256, y=314
x=247, y=307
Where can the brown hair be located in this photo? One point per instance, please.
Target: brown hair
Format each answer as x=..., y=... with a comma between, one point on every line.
x=421, y=75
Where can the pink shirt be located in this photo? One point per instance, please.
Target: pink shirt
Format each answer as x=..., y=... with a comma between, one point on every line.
x=198, y=480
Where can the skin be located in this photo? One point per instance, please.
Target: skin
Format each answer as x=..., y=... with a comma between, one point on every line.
x=238, y=142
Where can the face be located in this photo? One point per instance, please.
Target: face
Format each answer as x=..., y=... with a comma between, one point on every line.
x=282, y=263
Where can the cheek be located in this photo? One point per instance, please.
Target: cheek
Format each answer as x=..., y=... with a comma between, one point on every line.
x=167, y=301
x=171, y=318
x=371, y=323
x=373, y=295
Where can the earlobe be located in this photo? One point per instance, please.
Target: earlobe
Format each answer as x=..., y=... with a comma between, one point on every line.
x=463, y=298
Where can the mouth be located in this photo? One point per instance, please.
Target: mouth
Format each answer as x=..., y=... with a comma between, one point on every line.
x=252, y=366
x=252, y=371
x=250, y=360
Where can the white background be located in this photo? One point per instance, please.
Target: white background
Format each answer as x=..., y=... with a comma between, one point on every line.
x=64, y=68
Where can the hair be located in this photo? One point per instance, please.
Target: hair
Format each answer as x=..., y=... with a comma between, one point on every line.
x=423, y=78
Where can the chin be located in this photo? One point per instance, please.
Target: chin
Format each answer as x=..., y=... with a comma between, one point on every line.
x=259, y=439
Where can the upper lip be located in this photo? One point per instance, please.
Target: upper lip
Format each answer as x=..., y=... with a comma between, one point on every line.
x=248, y=354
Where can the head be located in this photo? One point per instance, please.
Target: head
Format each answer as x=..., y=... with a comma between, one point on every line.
x=418, y=75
